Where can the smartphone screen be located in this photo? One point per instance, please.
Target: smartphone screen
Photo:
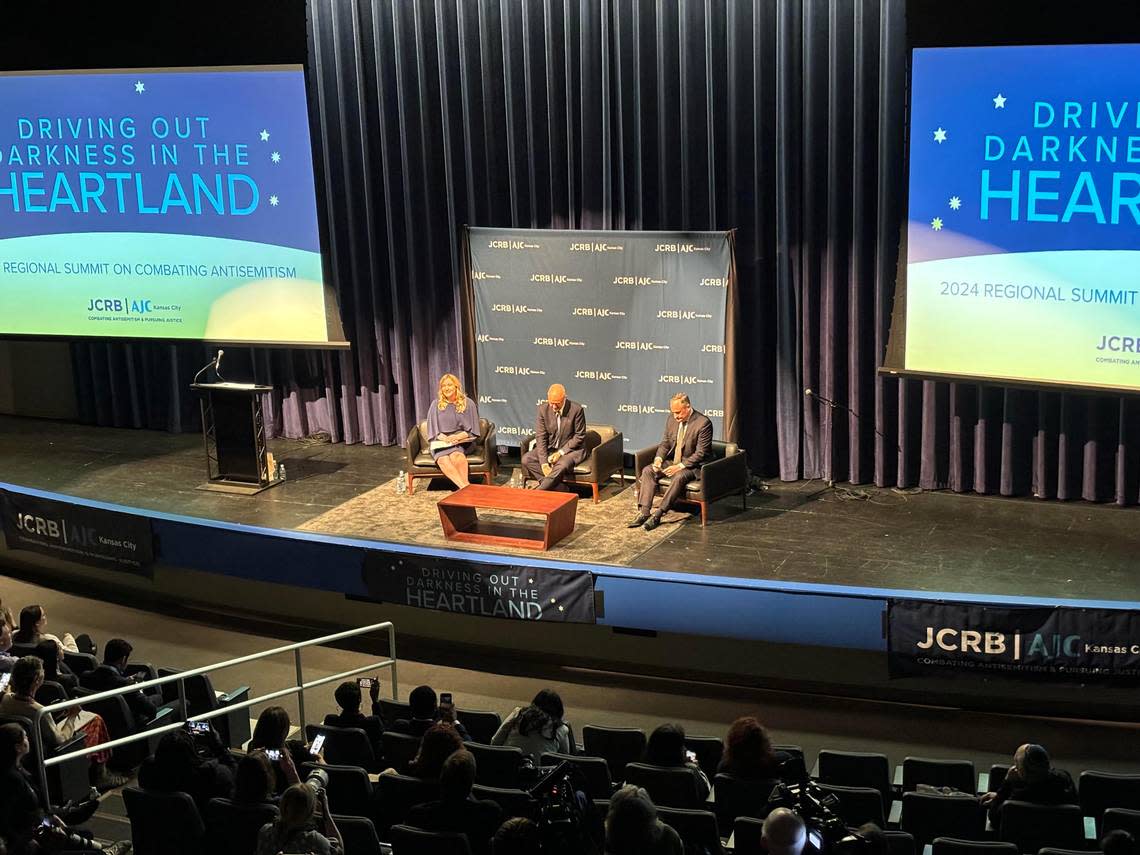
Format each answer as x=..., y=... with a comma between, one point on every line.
x=364, y=682
x=45, y=822
x=815, y=839
x=198, y=726
x=445, y=698
x=692, y=756
x=318, y=743
x=273, y=754
x=4, y=678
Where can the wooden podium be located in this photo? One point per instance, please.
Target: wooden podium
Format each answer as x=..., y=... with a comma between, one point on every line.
x=234, y=432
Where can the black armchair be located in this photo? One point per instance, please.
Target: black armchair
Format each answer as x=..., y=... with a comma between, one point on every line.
x=725, y=475
x=604, y=449
x=482, y=459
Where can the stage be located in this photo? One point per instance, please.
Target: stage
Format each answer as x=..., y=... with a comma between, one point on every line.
x=800, y=536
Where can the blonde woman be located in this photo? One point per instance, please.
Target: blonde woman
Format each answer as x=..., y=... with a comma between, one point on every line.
x=453, y=427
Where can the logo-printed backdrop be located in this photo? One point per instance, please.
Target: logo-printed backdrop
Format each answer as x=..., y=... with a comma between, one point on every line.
x=622, y=319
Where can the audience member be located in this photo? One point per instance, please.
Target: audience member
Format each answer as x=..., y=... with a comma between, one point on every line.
x=439, y=742
x=666, y=747
x=1032, y=778
x=33, y=619
x=456, y=810
x=295, y=830
x=199, y=766
x=254, y=780
x=1118, y=842
x=426, y=712
x=517, y=836
x=632, y=826
x=24, y=824
x=537, y=729
x=20, y=700
x=112, y=675
x=783, y=833
x=7, y=660
x=348, y=698
x=287, y=755
x=748, y=753
x=6, y=616
x=55, y=669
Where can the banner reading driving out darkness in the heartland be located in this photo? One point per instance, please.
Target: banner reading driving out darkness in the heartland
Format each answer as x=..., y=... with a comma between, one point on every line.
x=1023, y=257
x=159, y=203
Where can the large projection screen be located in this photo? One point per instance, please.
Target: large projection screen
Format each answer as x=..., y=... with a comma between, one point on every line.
x=1023, y=235
x=161, y=203
x=623, y=319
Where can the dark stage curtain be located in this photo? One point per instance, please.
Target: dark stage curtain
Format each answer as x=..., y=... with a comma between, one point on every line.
x=781, y=119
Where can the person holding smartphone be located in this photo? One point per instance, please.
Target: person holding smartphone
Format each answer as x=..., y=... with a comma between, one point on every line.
x=287, y=755
x=666, y=747
x=7, y=660
x=349, y=697
x=426, y=711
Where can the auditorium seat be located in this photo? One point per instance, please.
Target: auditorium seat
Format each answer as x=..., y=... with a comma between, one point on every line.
x=747, y=836
x=406, y=840
x=201, y=698
x=709, y=750
x=794, y=769
x=955, y=774
x=1123, y=819
x=67, y=780
x=392, y=711
x=857, y=805
x=931, y=815
x=995, y=778
x=954, y=846
x=349, y=790
x=496, y=765
x=737, y=797
x=396, y=795
x=232, y=829
x=480, y=724
x=400, y=750
x=80, y=663
x=1032, y=826
x=482, y=459
x=359, y=835
x=51, y=692
x=164, y=823
x=725, y=475
x=514, y=802
x=668, y=786
x=604, y=450
x=697, y=829
x=856, y=769
x=595, y=771
x=900, y=843
x=120, y=721
x=619, y=746
x=345, y=746
x=1099, y=791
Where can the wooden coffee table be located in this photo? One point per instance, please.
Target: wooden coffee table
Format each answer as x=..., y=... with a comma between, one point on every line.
x=460, y=521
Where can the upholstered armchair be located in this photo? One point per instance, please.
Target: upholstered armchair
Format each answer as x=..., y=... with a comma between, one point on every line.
x=603, y=456
x=726, y=474
x=482, y=459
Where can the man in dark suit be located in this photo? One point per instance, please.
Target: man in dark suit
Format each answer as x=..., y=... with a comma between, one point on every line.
x=686, y=445
x=457, y=811
x=349, y=699
x=560, y=440
x=111, y=675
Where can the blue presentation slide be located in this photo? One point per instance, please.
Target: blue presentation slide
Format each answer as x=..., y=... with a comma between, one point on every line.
x=1023, y=240
x=160, y=203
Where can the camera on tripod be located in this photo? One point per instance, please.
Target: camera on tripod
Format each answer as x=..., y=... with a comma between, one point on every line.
x=562, y=821
x=816, y=808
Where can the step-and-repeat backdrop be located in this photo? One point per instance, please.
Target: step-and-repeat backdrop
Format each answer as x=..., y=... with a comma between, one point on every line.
x=622, y=319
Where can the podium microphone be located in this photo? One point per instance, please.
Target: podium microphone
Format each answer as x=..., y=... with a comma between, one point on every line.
x=218, y=363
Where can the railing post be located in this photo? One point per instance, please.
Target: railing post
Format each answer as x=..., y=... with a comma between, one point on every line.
x=38, y=737
x=182, y=698
x=301, y=691
x=392, y=656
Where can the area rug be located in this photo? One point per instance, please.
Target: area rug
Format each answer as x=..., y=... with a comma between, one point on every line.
x=600, y=535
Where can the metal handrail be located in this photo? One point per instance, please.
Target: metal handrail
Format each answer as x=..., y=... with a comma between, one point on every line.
x=180, y=677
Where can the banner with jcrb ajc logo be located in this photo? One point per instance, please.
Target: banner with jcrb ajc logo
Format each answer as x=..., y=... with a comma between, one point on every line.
x=622, y=319
x=103, y=538
x=480, y=588
x=943, y=638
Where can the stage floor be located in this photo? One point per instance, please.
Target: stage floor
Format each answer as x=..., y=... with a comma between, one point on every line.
x=802, y=532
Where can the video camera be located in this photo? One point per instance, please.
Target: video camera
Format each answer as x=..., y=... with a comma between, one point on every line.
x=563, y=822
x=826, y=831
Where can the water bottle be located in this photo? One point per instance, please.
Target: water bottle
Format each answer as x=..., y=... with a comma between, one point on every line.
x=401, y=483
x=281, y=470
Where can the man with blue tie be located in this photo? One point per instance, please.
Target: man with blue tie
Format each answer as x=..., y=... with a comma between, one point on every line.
x=560, y=440
x=684, y=447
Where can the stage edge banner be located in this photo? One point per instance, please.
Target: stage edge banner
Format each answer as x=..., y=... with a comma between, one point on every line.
x=109, y=539
x=481, y=589
x=1053, y=643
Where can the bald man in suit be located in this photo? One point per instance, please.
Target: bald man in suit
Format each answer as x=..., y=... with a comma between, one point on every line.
x=560, y=440
x=686, y=445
